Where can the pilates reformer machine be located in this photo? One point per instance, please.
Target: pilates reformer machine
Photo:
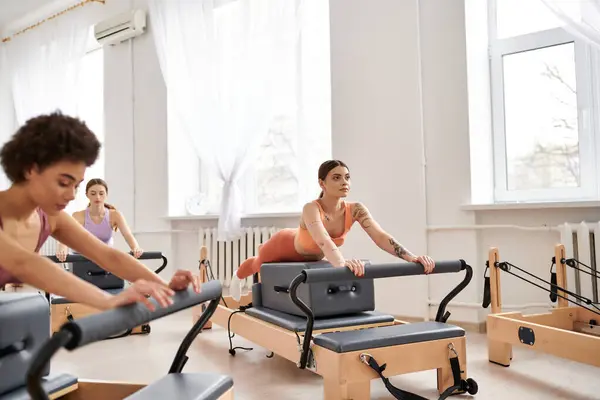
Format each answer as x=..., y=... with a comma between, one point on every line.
x=64, y=310
x=323, y=319
x=569, y=332
x=26, y=349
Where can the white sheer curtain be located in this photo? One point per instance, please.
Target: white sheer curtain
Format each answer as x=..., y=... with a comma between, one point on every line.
x=222, y=62
x=580, y=17
x=43, y=65
x=7, y=123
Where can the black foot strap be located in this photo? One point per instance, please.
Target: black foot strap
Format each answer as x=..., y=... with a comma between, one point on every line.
x=400, y=394
x=396, y=392
x=487, y=297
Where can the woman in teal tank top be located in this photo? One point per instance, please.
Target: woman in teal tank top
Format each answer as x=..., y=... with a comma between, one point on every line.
x=101, y=219
x=45, y=161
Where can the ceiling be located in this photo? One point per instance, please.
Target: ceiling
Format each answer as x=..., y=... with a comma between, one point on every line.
x=12, y=10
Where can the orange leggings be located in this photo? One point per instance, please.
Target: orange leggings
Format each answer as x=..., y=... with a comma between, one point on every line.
x=279, y=248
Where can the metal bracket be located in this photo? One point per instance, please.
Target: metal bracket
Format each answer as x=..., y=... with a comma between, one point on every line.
x=526, y=335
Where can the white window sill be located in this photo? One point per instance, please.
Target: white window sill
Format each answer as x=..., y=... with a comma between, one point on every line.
x=210, y=217
x=531, y=205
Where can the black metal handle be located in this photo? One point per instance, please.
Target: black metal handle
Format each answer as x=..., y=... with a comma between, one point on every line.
x=442, y=315
x=148, y=255
x=153, y=255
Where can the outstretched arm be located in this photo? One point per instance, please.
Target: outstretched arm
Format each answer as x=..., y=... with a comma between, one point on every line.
x=384, y=240
x=126, y=232
x=40, y=272
x=312, y=220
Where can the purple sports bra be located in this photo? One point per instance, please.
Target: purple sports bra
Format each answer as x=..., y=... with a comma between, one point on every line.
x=5, y=277
x=103, y=230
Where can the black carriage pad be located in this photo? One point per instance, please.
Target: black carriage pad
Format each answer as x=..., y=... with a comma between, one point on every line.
x=24, y=327
x=323, y=298
x=386, y=336
x=194, y=386
x=295, y=323
x=51, y=384
x=63, y=300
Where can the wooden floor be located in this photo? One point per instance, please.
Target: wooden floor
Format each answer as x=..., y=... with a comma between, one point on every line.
x=146, y=358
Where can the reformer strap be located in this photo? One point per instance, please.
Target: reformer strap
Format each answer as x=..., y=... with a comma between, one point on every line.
x=487, y=296
x=400, y=394
x=396, y=392
x=553, y=286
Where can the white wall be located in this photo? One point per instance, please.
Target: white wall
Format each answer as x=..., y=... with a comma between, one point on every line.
x=136, y=139
x=377, y=130
x=399, y=94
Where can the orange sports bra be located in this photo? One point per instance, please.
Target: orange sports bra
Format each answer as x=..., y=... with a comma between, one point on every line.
x=309, y=244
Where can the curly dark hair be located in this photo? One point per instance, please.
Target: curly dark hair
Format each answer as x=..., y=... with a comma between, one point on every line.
x=45, y=140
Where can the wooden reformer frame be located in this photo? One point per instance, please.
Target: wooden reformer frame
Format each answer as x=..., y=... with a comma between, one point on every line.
x=570, y=332
x=345, y=375
x=90, y=389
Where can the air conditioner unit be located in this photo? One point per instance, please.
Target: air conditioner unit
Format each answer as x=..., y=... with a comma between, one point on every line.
x=120, y=28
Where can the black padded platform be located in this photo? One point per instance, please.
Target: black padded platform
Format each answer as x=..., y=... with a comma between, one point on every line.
x=50, y=383
x=63, y=300
x=385, y=336
x=24, y=327
x=196, y=386
x=295, y=323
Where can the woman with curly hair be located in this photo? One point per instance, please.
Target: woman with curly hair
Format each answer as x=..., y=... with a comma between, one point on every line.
x=46, y=161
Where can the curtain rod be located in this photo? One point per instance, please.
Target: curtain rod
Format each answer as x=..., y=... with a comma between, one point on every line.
x=58, y=14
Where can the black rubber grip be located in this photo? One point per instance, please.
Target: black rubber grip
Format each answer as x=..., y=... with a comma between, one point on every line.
x=487, y=295
x=76, y=258
x=553, y=289
x=376, y=271
x=149, y=255
x=102, y=325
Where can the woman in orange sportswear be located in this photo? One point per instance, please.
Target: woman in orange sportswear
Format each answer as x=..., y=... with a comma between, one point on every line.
x=323, y=227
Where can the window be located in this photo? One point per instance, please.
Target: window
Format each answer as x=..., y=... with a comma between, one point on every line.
x=284, y=176
x=91, y=110
x=543, y=104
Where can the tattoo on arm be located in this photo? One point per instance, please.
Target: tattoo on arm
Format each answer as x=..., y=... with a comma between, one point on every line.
x=361, y=215
x=398, y=248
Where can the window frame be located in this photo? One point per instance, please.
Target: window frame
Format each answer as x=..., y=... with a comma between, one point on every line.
x=587, y=112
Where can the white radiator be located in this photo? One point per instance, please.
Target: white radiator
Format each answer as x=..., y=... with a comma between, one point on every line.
x=226, y=256
x=582, y=242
